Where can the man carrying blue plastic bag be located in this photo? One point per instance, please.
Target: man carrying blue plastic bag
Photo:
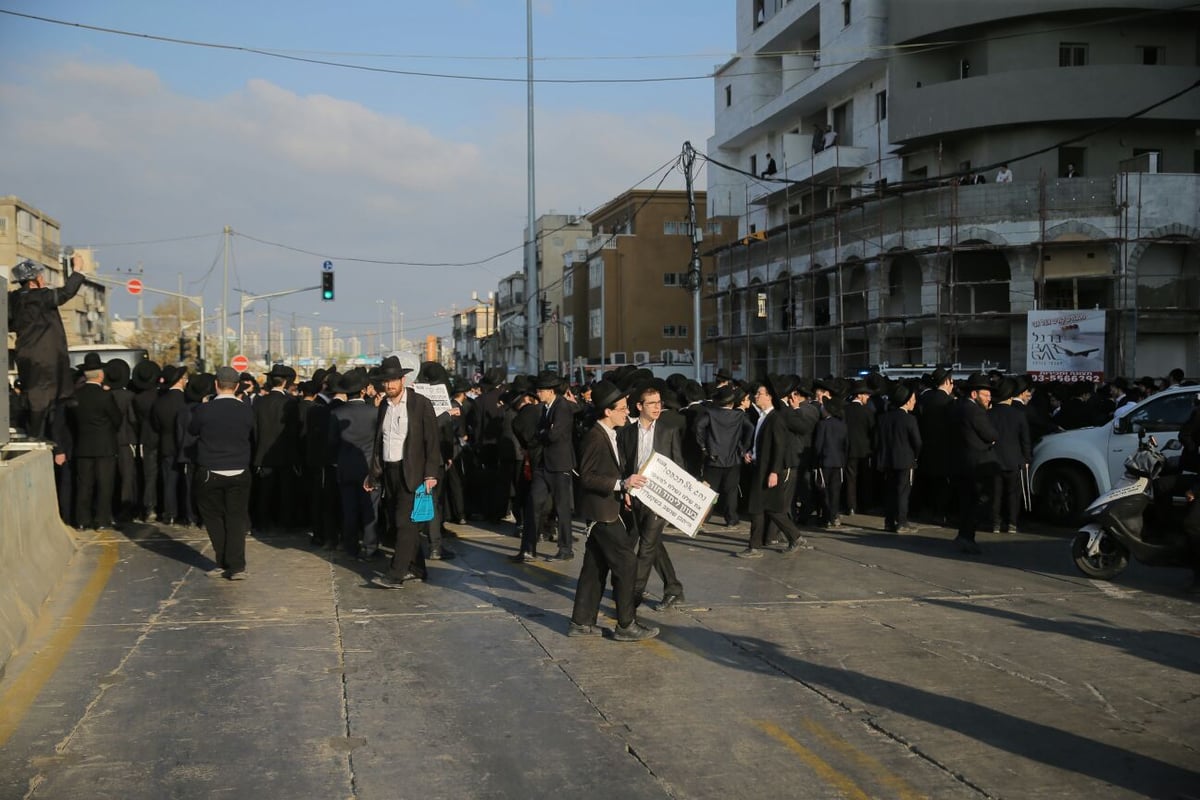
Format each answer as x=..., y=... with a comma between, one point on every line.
x=407, y=456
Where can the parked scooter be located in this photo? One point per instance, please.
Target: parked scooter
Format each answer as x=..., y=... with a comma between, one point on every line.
x=1129, y=520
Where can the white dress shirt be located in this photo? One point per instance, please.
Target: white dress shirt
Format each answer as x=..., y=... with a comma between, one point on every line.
x=395, y=428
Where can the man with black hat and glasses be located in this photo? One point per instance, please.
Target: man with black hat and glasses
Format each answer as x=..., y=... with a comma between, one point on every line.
x=974, y=447
x=773, y=481
x=609, y=549
x=406, y=455
x=552, y=459
x=43, y=365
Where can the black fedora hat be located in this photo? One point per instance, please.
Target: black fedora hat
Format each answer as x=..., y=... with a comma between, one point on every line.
x=548, y=380
x=780, y=386
x=432, y=372
x=282, y=371
x=171, y=374
x=605, y=393
x=722, y=374
x=899, y=396
x=145, y=375
x=390, y=369
x=977, y=381
x=116, y=373
x=1005, y=389
x=353, y=381
x=939, y=376
x=91, y=361
x=723, y=396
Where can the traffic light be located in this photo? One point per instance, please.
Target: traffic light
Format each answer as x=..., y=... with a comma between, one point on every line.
x=327, y=285
x=185, y=349
x=545, y=310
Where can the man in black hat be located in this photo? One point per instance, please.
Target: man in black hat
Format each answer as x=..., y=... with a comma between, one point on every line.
x=552, y=462
x=116, y=378
x=609, y=550
x=276, y=450
x=319, y=478
x=860, y=428
x=638, y=440
x=773, y=481
x=974, y=448
x=935, y=413
x=144, y=383
x=95, y=419
x=43, y=366
x=353, y=427
x=163, y=415
x=898, y=441
x=1014, y=451
x=406, y=455
x=488, y=428
x=223, y=429
x=800, y=414
x=720, y=434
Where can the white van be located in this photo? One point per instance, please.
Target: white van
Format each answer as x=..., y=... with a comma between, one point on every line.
x=107, y=352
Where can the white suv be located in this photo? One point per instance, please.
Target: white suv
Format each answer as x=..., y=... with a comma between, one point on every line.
x=1073, y=468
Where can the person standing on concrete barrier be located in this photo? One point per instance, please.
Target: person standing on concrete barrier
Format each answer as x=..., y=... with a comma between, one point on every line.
x=224, y=430
x=43, y=365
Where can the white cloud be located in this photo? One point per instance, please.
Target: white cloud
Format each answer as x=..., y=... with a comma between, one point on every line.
x=116, y=156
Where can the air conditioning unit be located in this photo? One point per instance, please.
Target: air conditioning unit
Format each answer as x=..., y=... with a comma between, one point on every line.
x=641, y=356
x=616, y=358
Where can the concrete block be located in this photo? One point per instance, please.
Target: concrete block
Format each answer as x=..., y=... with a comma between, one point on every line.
x=35, y=545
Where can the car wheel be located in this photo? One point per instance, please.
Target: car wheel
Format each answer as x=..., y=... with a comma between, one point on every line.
x=1109, y=562
x=1064, y=494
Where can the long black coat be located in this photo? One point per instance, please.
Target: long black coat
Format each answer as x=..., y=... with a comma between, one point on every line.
x=773, y=448
x=898, y=440
x=350, y=434
x=41, y=351
x=975, y=436
x=95, y=419
x=801, y=422
x=1014, y=447
x=936, y=416
x=276, y=430
x=599, y=472
x=422, y=451
x=163, y=416
x=860, y=427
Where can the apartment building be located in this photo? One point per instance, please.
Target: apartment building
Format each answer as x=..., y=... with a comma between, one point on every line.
x=27, y=233
x=891, y=241
x=557, y=236
x=471, y=330
x=629, y=301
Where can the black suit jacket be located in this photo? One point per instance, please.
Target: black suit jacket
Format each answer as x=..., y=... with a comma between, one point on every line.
x=773, y=448
x=163, y=417
x=599, y=472
x=668, y=441
x=95, y=417
x=422, y=452
x=936, y=413
x=351, y=436
x=897, y=440
x=1014, y=448
x=860, y=427
x=976, y=436
x=556, y=437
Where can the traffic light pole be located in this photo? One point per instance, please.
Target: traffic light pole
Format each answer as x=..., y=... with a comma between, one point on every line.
x=195, y=299
x=248, y=300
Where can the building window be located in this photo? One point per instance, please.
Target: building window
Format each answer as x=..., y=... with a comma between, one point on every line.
x=596, y=272
x=845, y=13
x=594, y=326
x=682, y=331
x=4, y=226
x=668, y=331
x=881, y=106
x=670, y=279
x=1151, y=55
x=675, y=228
x=728, y=96
x=754, y=164
x=714, y=228
x=569, y=283
x=1072, y=54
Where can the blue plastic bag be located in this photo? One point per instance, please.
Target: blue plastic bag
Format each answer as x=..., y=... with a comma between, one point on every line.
x=422, y=510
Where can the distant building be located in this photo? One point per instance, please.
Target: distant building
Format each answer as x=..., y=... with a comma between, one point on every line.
x=471, y=329
x=304, y=342
x=27, y=233
x=328, y=348
x=557, y=235
x=879, y=243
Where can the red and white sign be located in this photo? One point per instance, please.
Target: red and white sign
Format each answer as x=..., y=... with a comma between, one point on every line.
x=240, y=363
x=133, y=286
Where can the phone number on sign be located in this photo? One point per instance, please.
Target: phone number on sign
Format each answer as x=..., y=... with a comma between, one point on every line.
x=1067, y=377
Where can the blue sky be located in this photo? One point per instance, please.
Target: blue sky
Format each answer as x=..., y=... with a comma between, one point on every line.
x=125, y=140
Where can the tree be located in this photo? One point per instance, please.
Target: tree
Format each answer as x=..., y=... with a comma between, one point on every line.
x=161, y=330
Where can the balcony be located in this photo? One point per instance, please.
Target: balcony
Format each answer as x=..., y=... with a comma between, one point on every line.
x=821, y=166
x=1039, y=96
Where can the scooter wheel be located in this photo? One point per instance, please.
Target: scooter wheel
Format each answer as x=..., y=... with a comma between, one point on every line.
x=1106, y=564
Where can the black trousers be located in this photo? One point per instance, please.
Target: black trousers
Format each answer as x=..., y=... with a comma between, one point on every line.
x=726, y=482
x=453, y=500
x=224, y=503
x=127, y=481
x=973, y=486
x=360, y=518
x=897, y=486
x=170, y=475
x=94, y=490
x=548, y=488
x=148, y=467
x=399, y=498
x=781, y=519
x=609, y=552
x=860, y=484
x=832, y=478
x=324, y=504
x=1006, y=498
x=652, y=552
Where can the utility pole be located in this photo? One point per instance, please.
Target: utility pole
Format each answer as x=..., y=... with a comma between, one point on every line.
x=220, y=360
x=394, y=346
x=694, y=282
x=531, y=277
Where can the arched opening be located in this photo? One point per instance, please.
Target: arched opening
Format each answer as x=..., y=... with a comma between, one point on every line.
x=781, y=317
x=1164, y=280
x=978, y=282
x=854, y=292
x=820, y=297
x=759, y=307
x=903, y=287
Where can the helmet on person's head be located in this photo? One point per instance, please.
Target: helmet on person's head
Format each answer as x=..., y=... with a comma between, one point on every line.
x=25, y=271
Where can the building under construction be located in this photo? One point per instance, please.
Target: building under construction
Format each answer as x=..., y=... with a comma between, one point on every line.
x=891, y=239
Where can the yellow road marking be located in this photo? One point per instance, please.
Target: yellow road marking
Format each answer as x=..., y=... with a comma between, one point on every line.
x=817, y=764
x=881, y=773
x=24, y=690
x=660, y=649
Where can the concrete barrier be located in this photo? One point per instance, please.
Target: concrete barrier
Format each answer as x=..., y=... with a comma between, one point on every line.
x=35, y=545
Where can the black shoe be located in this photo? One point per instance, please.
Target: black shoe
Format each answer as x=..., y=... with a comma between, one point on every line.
x=166, y=520
x=412, y=576
x=995, y=529
x=634, y=632
x=800, y=544
x=749, y=552
x=562, y=555
x=907, y=529
x=670, y=601
x=575, y=629
x=521, y=558
x=387, y=582
x=967, y=546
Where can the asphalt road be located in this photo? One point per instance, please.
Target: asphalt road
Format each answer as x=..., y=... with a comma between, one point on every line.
x=871, y=666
